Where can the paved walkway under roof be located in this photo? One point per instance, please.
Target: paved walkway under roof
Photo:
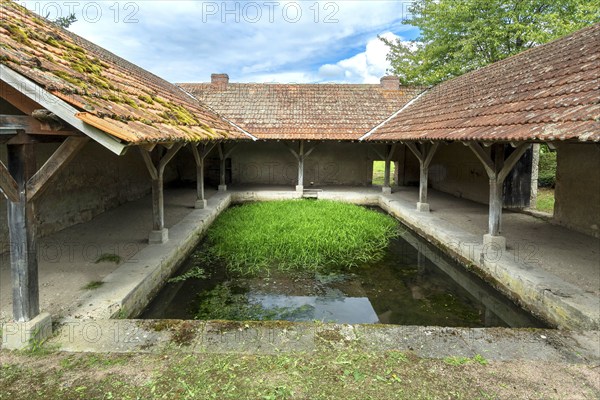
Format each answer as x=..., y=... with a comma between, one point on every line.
x=68, y=258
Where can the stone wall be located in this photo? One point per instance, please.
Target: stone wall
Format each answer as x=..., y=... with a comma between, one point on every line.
x=455, y=170
x=272, y=163
x=96, y=180
x=577, y=192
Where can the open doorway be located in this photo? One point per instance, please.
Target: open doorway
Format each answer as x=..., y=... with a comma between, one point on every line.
x=379, y=172
x=546, y=179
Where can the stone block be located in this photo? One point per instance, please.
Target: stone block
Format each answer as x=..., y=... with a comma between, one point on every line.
x=20, y=335
x=423, y=207
x=201, y=204
x=159, y=237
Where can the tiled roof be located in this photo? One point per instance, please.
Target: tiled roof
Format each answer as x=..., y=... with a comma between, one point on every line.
x=303, y=111
x=112, y=94
x=551, y=92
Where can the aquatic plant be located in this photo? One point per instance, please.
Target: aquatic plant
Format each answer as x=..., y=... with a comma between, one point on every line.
x=298, y=235
x=194, y=273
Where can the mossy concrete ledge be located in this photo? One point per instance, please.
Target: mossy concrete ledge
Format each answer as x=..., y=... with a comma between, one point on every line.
x=559, y=303
x=126, y=291
x=276, y=337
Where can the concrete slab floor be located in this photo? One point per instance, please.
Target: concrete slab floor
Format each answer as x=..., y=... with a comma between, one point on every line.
x=571, y=256
x=67, y=261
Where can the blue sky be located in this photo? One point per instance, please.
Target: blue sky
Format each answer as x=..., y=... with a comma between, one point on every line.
x=252, y=41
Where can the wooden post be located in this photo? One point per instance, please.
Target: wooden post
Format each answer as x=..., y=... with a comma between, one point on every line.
x=424, y=155
x=300, y=157
x=497, y=170
x=21, y=184
x=159, y=233
x=386, y=173
x=199, y=157
x=223, y=157
x=300, y=185
x=495, y=215
x=22, y=233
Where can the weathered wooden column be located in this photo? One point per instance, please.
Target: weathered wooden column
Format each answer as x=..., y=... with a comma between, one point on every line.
x=497, y=170
x=300, y=184
x=223, y=157
x=424, y=155
x=22, y=233
x=389, y=153
x=199, y=157
x=22, y=183
x=300, y=156
x=159, y=233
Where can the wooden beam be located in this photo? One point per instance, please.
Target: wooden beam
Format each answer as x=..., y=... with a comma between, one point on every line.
x=430, y=153
x=59, y=107
x=13, y=123
x=292, y=150
x=56, y=163
x=374, y=147
x=8, y=184
x=22, y=234
x=510, y=162
x=169, y=156
x=309, y=151
x=484, y=157
x=413, y=148
x=17, y=99
x=149, y=164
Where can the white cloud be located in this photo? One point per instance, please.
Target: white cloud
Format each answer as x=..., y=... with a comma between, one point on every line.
x=188, y=40
x=366, y=67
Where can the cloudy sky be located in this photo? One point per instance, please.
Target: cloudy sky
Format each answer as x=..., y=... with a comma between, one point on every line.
x=252, y=41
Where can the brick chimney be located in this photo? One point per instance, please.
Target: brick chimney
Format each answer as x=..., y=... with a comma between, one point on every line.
x=219, y=80
x=390, y=83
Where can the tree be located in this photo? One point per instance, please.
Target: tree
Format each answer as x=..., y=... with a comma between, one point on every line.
x=458, y=36
x=65, y=22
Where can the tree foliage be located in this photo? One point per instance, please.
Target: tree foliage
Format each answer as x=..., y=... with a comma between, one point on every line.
x=457, y=36
x=65, y=22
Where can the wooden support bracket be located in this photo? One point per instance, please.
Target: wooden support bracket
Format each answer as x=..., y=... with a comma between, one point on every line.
x=8, y=184
x=57, y=162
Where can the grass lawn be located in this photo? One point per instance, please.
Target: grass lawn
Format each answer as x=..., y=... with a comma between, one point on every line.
x=379, y=172
x=545, y=200
x=328, y=374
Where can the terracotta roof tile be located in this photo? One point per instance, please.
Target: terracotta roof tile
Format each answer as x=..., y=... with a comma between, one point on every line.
x=303, y=111
x=551, y=92
x=110, y=92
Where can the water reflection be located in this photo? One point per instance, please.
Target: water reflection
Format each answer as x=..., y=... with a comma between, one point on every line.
x=414, y=284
